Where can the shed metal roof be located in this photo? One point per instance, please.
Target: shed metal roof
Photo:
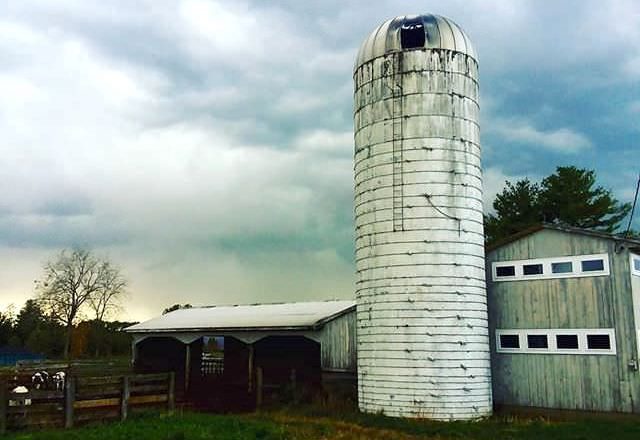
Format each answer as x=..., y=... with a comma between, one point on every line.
x=284, y=316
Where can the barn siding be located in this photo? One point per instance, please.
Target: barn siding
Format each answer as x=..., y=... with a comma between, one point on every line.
x=635, y=289
x=589, y=382
x=338, y=343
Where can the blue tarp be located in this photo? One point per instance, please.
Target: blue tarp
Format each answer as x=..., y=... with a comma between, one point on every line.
x=9, y=356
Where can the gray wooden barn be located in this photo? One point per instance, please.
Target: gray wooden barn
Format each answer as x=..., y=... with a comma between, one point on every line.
x=564, y=316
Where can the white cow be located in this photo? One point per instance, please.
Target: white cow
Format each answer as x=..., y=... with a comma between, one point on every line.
x=40, y=380
x=19, y=396
x=59, y=379
x=37, y=381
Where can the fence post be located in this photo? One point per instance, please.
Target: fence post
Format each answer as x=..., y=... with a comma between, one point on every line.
x=171, y=391
x=258, y=387
x=3, y=406
x=70, y=397
x=124, y=399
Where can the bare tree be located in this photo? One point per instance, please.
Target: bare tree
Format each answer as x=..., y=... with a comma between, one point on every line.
x=112, y=287
x=70, y=282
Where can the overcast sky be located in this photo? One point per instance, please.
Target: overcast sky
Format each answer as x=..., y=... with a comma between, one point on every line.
x=206, y=147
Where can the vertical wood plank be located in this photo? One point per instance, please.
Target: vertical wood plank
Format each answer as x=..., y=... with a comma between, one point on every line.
x=259, y=388
x=3, y=406
x=171, y=399
x=124, y=399
x=293, y=381
x=70, y=397
x=250, y=370
x=187, y=367
x=134, y=352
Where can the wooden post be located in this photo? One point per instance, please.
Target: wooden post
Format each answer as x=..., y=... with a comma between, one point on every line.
x=187, y=367
x=124, y=399
x=259, y=387
x=134, y=352
x=293, y=384
x=4, y=395
x=171, y=392
x=70, y=397
x=250, y=370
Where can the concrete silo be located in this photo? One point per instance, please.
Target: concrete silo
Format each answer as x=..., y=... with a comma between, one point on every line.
x=423, y=343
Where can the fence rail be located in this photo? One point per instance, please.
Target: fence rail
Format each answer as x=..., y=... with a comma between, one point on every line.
x=83, y=400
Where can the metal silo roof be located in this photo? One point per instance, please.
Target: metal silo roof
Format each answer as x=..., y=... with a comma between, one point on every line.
x=439, y=33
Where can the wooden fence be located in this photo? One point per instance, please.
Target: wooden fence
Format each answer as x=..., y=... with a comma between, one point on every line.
x=211, y=365
x=84, y=400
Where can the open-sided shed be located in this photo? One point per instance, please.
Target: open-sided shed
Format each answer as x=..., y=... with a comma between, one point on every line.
x=259, y=350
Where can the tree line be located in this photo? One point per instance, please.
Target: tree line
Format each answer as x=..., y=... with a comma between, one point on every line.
x=33, y=330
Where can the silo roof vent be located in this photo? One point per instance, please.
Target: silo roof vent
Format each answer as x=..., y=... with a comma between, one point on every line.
x=410, y=32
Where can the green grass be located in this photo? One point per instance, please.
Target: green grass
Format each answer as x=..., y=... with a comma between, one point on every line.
x=307, y=424
x=178, y=427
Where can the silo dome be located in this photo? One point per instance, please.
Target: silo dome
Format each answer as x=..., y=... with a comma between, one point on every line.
x=422, y=321
x=414, y=32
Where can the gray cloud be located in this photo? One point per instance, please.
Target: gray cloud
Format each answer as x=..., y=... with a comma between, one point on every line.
x=206, y=146
x=561, y=140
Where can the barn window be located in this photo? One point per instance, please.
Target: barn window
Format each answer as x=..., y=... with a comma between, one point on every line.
x=532, y=269
x=562, y=267
x=598, y=342
x=554, y=267
x=537, y=341
x=635, y=264
x=592, y=265
x=567, y=342
x=506, y=271
x=509, y=341
x=557, y=341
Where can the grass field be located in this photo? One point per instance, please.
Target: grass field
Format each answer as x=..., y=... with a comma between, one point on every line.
x=297, y=424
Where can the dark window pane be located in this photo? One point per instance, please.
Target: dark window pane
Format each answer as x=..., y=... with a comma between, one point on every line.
x=537, y=341
x=567, y=342
x=592, y=265
x=412, y=34
x=598, y=342
x=509, y=341
x=564, y=267
x=636, y=264
x=506, y=271
x=532, y=269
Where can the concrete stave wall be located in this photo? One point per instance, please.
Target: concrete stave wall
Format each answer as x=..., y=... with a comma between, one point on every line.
x=423, y=347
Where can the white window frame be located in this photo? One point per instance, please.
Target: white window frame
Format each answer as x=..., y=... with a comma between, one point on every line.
x=575, y=260
x=499, y=348
x=632, y=259
x=552, y=342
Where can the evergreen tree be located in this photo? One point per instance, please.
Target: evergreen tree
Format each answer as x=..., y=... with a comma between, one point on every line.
x=29, y=318
x=569, y=197
x=176, y=307
x=516, y=209
x=6, y=329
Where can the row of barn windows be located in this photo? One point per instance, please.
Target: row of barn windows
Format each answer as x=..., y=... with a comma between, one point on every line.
x=558, y=341
x=557, y=267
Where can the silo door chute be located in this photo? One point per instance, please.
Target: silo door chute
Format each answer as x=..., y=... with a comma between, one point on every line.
x=396, y=120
